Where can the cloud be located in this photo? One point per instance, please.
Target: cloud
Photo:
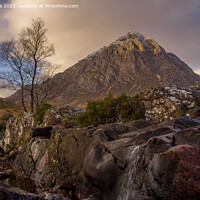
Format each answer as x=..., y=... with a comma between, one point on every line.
x=78, y=32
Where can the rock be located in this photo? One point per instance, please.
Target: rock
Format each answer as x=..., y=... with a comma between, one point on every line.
x=38, y=148
x=106, y=155
x=66, y=152
x=2, y=135
x=49, y=196
x=185, y=122
x=91, y=198
x=165, y=167
x=17, y=128
x=190, y=136
x=167, y=103
x=56, y=161
x=9, y=193
x=175, y=174
x=30, y=159
x=101, y=168
x=135, y=160
x=4, y=175
x=64, y=114
x=1, y=151
x=138, y=124
x=5, y=168
x=143, y=135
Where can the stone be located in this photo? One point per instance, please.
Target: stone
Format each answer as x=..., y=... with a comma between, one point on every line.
x=185, y=122
x=101, y=168
x=165, y=167
x=16, y=129
x=174, y=174
x=138, y=124
x=9, y=193
x=38, y=148
x=62, y=115
x=134, y=160
x=167, y=103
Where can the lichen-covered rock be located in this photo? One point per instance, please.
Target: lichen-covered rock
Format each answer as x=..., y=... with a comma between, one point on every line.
x=180, y=171
x=66, y=152
x=63, y=114
x=30, y=161
x=167, y=103
x=38, y=149
x=27, y=167
x=56, y=161
x=16, y=128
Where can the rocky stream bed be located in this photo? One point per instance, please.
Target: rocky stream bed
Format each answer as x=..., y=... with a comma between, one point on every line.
x=136, y=160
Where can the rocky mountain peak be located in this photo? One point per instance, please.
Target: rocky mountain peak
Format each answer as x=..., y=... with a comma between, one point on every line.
x=135, y=40
x=130, y=42
x=130, y=65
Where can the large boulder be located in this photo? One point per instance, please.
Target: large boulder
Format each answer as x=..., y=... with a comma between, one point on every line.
x=107, y=156
x=66, y=151
x=28, y=161
x=55, y=162
x=17, y=128
x=165, y=167
x=167, y=103
x=62, y=114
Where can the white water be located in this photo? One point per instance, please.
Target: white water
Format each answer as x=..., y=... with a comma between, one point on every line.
x=126, y=189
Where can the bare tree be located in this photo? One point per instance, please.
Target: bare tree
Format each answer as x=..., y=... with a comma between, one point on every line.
x=26, y=66
x=37, y=49
x=12, y=55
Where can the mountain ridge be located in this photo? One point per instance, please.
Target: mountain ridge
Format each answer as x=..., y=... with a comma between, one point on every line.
x=129, y=65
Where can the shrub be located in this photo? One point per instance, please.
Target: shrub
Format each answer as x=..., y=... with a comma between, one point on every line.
x=124, y=108
x=39, y=113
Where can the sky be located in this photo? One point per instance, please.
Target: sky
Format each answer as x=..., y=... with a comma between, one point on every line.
x=77, y=32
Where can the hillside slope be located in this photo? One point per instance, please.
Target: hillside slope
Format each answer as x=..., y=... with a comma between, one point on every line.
x=130, y=65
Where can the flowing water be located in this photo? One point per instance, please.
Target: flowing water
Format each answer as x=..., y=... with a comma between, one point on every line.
x=126, y=189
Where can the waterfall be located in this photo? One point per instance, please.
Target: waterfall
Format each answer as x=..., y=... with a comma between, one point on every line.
x=126, y=188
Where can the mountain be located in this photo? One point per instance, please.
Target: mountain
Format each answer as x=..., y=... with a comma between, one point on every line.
x=5, y=92
x=129, y=65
